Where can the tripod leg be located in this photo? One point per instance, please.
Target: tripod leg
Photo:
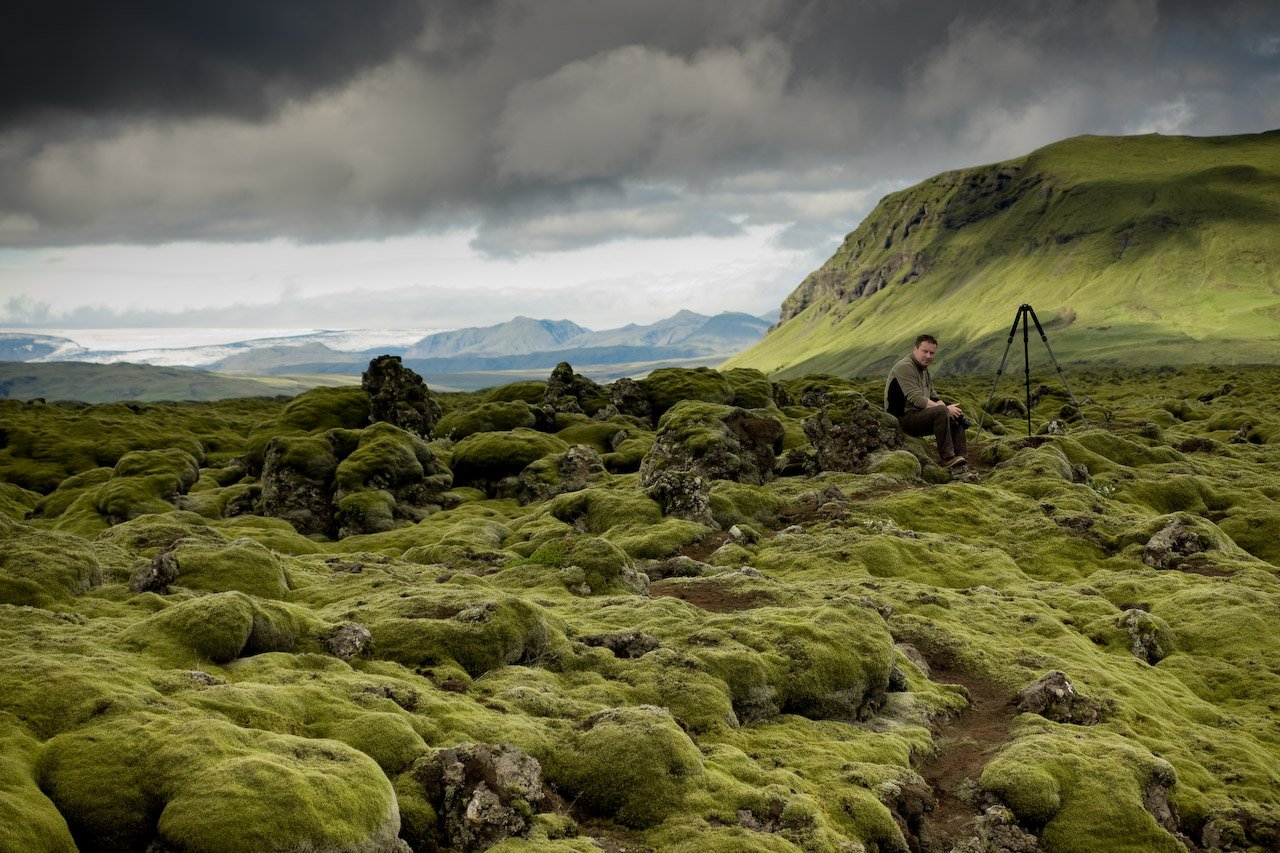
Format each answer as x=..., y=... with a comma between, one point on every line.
x=1026, y=359
x=1062, y=375
x=982, y=418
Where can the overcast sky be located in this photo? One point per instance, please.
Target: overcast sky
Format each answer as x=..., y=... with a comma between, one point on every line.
x=441, y=163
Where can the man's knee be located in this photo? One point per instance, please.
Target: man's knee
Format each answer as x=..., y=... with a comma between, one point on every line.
x=923, y=422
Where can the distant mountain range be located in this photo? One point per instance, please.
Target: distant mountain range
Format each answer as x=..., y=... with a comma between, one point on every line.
x=461, y=359
x=1144, y=250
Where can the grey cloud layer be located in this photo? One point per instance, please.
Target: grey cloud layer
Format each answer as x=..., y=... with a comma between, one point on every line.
x=563, y=123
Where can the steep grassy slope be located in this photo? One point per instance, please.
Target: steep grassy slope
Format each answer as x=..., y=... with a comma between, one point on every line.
x=1147, y=250
x=180, y=673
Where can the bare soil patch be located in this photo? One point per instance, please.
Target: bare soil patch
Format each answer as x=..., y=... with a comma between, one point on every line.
x=711, y=596
x=965, y=744
x=705, y=547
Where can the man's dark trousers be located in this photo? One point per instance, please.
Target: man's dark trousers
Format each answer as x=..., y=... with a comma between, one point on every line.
x=947, y=430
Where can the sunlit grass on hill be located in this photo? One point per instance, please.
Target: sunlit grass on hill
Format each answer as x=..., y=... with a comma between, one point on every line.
x=1134, y=250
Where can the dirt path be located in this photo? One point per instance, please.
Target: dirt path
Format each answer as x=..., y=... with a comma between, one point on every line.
x=965, y=744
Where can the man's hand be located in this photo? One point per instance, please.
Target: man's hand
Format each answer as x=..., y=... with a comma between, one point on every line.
x=955, y=411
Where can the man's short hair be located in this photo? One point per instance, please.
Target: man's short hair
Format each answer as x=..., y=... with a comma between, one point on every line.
x=922, y=338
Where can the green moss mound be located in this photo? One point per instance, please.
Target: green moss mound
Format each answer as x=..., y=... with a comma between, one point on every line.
x=16, y=502
x=205, y=785
x=591, y=565
x=488, y=457
x=29, y=819
x=476, y=631
x=485, y=417
x=222, y=627
x=751, y=388
x=146, y=481
x=317, y=410
x=825, y=663
x=531, y=392
x=243, y=565
x=632, y=764
x=39, y=569
x=1085, y=789
x=669, y=385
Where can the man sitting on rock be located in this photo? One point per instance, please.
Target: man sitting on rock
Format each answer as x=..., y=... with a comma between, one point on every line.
x=909, y=397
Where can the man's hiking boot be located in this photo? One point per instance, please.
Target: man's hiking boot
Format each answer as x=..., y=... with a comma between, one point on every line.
x=953, y=462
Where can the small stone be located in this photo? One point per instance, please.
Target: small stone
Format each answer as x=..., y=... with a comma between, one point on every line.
x=157, y=575
x=626, y=644
x=348, y=640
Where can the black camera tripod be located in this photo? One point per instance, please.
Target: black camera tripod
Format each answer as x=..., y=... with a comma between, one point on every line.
x=1026, y=311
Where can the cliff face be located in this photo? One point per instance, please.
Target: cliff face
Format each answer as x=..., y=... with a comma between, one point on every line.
x=1145, y=249
x=893, y=244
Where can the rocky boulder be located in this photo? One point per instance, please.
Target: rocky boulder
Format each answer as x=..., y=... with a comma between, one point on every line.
x=714, y=441
x=481, y=793
x=297, y=482
x=388, y=479
x=626, y=397
x=847, y=429
x=700, y=442
x=1150, y=638
x=997, y=831
x=570, y=471
x=682, y=494
x=1173, y=544
x=624, y=644
x=156, y=576
x=571, y=392
x=347, y=641
x=398, y=396
x=1053, y=697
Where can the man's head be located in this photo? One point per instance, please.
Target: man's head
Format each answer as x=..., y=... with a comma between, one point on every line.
x=925, y=349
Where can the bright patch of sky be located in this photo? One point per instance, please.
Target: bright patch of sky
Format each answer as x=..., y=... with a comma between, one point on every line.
x=433, y=282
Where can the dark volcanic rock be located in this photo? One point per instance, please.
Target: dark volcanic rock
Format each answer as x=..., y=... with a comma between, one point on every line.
x=626, y=397
x=348, y=640
x=847, y=429
x=570, y=471
x=997, y=831
x=682, y=494
x=571, y=392
x=1150, y=639
x=1175, y=542
x=626, y=644
x=398, y=396
x=297, y=483
x=1053, y=697
x=157, y=575
x=699, y=442
x=481, y=793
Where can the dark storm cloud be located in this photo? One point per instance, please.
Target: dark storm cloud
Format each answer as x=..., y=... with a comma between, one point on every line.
x=158, y=57
x=562, y=123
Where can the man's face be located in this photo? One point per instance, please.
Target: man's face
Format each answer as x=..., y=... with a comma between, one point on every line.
x=924, y=353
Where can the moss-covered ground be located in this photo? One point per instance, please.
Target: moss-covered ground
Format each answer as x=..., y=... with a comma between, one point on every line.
x=174, y=673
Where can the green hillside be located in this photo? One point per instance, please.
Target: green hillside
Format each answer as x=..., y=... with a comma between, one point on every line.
x=102, y=383
x=1140, y=250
